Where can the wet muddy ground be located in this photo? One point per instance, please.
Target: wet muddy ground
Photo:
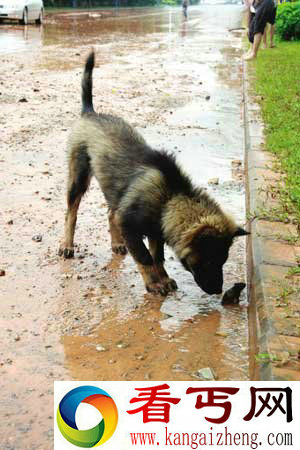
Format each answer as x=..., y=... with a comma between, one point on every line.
x=179, y=82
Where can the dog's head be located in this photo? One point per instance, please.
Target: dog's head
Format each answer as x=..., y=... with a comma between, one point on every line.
x=205, y=251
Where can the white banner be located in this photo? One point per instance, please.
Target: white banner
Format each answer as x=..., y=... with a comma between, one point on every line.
x=123, y=415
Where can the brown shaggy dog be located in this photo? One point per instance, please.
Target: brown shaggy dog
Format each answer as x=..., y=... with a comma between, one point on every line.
x=148, y=195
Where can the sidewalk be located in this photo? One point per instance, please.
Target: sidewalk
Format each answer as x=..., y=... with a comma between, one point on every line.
x=273, y=254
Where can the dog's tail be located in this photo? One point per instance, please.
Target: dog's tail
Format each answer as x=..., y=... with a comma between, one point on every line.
x=87, y=85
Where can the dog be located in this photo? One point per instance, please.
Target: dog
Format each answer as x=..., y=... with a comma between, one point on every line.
x=148, y=196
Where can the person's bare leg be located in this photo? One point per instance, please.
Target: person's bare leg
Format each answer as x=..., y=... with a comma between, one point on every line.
x=256, y=44
x=272, y=32
x=248, y=20
x=265, y=36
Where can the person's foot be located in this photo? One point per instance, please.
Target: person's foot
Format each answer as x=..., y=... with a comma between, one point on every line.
x=249, y=56
x=248, y=52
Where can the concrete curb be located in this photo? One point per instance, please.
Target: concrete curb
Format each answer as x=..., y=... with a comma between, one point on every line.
x=273, y=290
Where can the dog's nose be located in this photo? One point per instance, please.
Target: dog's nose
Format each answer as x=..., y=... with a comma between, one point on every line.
x=212, y=290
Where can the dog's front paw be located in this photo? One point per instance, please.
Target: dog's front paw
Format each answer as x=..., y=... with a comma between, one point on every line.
x=170, y=284
x=66, y=252
x=157, y=288
x=119, y=249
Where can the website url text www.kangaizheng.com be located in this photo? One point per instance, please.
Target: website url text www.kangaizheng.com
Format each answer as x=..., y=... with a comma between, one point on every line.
x=211, y=439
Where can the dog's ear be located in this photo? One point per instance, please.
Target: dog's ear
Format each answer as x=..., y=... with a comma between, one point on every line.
x=196, y=233
x=240, y=232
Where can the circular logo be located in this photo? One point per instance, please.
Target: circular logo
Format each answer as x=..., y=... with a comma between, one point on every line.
x=97, y=435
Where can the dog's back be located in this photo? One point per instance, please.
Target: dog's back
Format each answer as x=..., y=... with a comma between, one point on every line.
x=117, y=154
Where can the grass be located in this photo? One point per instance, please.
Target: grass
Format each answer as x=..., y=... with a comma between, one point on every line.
x=294, y=271
x=278, y=84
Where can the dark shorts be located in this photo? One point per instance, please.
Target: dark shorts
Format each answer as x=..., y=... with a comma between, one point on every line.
x=265, y=13
x=272, y=18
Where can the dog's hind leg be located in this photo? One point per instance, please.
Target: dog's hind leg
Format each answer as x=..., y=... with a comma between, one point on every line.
x=117, y=242
x=78, y=183
x=156, y=247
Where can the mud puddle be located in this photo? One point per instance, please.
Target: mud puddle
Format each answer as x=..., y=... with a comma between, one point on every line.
x=90, y=318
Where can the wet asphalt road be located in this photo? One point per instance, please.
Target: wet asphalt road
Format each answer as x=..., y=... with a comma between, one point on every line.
x=180, y=83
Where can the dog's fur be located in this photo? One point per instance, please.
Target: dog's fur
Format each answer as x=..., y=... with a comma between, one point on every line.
x=148, y=195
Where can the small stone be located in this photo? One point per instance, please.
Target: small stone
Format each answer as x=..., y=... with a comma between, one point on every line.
x=205, y=374
x=10, y=222
x=122, y=344
x=23, y=100
x=100, y=348
x=17, y=338
x=66, y=276
x=221, y=333
x=207, y=97
x=214, y=181
x=37, y=238
x=177, y=368
x=2, y=273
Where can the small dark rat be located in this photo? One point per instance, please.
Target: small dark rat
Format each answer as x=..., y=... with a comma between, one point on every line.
x=232, y=295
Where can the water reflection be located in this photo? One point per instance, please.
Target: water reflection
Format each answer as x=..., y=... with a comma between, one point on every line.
x=68, y=27
x=19, y=38
x=89, y=27
x=184, y=27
